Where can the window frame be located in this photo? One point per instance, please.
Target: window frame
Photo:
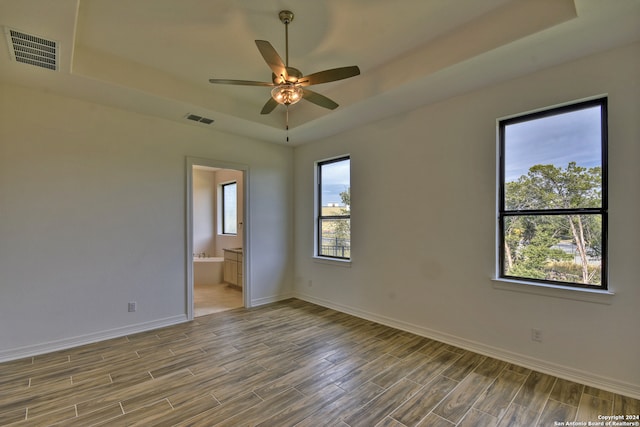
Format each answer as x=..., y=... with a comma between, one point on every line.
x=503, y=213
x=223, y=211
x=318, y=211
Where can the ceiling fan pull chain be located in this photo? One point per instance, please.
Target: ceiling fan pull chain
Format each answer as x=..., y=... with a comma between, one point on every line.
x=287, y=122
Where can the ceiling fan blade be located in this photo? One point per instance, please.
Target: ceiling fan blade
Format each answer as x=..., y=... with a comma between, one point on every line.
x=318, y=99
x=269, y=106
x=272, y=59
x=332, y=75
x=240, y=82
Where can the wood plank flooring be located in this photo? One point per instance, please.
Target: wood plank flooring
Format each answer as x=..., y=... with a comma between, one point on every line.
x=290, y=363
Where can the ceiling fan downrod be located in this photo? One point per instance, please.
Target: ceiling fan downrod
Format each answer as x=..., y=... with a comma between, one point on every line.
x=286, y=16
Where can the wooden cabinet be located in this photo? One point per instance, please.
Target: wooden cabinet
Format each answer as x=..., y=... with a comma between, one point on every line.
x=230, y=270
x=233, y=267
x=240, y=271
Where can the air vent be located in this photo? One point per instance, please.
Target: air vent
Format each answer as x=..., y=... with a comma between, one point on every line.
x=200, y=119
x=32, y=50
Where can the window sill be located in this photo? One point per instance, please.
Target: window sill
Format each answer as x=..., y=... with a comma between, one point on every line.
x=332, y=261
x=577, y=294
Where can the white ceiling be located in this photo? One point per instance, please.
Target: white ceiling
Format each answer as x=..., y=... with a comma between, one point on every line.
x=155, y=56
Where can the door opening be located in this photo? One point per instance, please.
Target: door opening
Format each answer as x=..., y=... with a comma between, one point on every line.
x=216, y=250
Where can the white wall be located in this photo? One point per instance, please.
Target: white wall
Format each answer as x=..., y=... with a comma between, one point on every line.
x=92, y=216
x=423, y=228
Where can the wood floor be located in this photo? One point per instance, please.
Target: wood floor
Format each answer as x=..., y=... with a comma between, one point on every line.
x=285, y=364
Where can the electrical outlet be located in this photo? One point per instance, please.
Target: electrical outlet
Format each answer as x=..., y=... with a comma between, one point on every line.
x=536, y=335
x=310, y=283
x=133, y=306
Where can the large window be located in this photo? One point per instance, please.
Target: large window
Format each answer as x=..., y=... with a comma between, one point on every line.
x=229, y=208
x=553, y=196
x=334, y=209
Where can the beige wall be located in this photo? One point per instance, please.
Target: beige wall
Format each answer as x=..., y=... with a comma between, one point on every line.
x=423, y=227
x=226, y=241
x=204, y=212
x=207, y=237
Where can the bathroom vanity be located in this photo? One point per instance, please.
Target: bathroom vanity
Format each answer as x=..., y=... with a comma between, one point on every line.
x=233, y=266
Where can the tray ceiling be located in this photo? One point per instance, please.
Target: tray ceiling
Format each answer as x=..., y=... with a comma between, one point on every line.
x=155, y=56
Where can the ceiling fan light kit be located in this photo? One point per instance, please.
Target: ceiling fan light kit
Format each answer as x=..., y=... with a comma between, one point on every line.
x=287, y=94
x=289, y=84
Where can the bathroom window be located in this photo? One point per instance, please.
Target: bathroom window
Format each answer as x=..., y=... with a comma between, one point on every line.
x=333, y=226
x=553, y=196
x=229, y=208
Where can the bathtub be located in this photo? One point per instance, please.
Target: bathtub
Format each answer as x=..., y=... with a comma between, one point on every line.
x=208, y=271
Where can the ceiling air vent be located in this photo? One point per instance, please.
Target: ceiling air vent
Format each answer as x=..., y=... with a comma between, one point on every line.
x=33, y=50
x=200, y=119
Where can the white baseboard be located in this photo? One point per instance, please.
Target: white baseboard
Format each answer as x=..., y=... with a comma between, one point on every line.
x=48, y=347
x=560, y=371
x=63, y=344
x=268, y=300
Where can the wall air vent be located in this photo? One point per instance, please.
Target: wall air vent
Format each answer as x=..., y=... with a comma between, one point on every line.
x=32, y=50
x=200, y=119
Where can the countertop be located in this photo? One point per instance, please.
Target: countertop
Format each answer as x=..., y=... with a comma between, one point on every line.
x=234, y=250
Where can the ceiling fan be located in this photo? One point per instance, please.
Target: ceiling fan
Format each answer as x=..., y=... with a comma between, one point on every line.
x=289, y=84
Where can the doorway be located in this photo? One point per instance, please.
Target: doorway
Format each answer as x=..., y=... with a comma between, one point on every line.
x=216, y=255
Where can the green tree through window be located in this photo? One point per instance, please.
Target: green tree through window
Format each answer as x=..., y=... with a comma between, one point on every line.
x=334, y=209
x=553, y=217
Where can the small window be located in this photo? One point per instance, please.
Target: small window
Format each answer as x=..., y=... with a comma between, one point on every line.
x=334, y=209
x=553, y=196
x=229, y=208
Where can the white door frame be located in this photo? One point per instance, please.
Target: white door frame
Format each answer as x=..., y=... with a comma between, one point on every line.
x=246, y=288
